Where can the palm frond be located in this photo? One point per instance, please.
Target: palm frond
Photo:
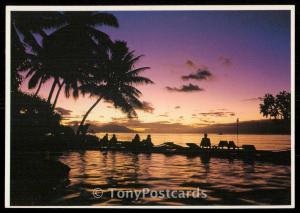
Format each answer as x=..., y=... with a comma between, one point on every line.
x=137, y=71
x=34, y=80
x=100, y=19
x=140, y=80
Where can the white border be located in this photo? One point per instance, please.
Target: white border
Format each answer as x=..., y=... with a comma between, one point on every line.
x=291, y=8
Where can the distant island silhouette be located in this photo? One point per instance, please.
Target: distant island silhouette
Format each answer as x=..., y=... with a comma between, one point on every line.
x=108, y=128
x=277, y=127
x=265, y=126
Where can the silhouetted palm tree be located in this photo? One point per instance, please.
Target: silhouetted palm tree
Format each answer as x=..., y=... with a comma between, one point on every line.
x=69, y=48
x=283, y=103
x=34, y=68
x=268, y=107
x=29, y=23
x=72, y=48
x=18, y=58
x=114, y=81
x=23, y=27
x=26, y=27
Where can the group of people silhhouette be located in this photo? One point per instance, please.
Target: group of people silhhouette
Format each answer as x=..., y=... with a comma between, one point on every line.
x=135, y=143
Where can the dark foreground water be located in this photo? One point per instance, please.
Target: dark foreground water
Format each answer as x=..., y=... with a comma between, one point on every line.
x=224, y=182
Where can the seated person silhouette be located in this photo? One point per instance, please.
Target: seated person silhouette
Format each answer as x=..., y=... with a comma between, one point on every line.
x=113, y=140
x=136, y=139
x=104, y=140
x=205, y=142
x=148, y=142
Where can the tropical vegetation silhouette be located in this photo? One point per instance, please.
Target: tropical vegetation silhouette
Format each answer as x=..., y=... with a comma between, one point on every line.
x=68, y=49
x=278, y=106
x=114, y=80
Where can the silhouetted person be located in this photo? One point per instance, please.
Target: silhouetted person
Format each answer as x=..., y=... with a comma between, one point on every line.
x=104, y=140
x=113, y=140
x=136, y=139
x=205, y=142
x=148, y=142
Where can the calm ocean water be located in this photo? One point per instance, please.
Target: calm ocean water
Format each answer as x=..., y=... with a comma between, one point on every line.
x=226, y=182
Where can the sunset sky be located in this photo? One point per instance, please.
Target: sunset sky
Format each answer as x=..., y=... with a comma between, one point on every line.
x=208, y=67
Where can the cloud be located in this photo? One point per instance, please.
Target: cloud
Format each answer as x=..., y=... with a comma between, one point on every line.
x=164, y=115
x=217, y=114
x=207, y=121
x=118, y=119
x=201, y=74
x=225, y=61
x=200, y=124
x=69, y=117
x=147, y=107
x=73, y=123
x=90, y=122
x=177, y=107
x=252, y=99
x=158, y=126
x=185, y=88
x=108, y=101
x=63, y=111
x=190, y=64
x=222, y=109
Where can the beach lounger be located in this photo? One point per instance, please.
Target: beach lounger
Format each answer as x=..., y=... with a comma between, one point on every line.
x=231, y=144
x=223, y=144
x=248, y=147
x=193, y=146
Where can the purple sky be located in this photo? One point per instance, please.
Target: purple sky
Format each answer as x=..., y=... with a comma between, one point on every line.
x=247, y=54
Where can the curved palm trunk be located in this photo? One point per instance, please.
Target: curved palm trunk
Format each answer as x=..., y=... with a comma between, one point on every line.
x=52, y=90
x=86, y=115
x=57, y=94
x=39, y=87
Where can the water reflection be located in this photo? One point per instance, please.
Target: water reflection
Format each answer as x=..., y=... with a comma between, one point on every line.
x=225, y=181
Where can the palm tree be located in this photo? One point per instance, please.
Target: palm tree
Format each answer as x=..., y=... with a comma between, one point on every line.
x=26, y=27
x=30, y=23
x=18, y=56
x=69, y=47
x=114, y=80
x=74, y=46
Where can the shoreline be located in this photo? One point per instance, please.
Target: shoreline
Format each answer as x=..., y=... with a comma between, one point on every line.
x=180, y=133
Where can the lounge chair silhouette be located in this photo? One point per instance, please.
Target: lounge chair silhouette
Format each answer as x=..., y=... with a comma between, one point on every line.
x=223, y=144
x=193, y=146
x=232, y=145
x=248, y=148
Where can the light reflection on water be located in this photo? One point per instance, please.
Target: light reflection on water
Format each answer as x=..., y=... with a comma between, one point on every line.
x=225, y=182
x=261, y=142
